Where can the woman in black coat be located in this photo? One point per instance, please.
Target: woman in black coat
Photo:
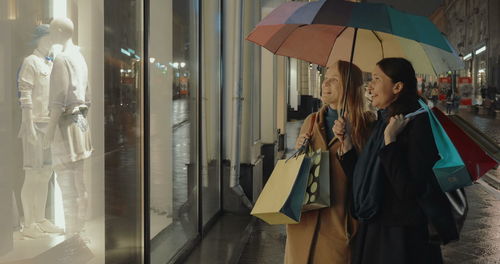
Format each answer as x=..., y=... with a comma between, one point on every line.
x=396, y=197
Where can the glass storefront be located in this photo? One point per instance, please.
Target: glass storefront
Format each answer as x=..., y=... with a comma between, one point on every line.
x=70, y=100
x=211, y=111
x=173, y=82
x=88, y=122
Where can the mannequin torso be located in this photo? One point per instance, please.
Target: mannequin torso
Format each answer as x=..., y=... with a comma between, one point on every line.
x=69, y=81
x=35, y=77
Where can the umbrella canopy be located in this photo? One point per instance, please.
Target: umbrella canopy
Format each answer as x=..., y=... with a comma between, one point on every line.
x=322, y=32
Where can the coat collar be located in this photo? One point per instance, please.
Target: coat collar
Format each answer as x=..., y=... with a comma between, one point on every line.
x=319, y=128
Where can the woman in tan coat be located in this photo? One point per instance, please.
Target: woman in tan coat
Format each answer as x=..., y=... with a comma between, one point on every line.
x=323, y=236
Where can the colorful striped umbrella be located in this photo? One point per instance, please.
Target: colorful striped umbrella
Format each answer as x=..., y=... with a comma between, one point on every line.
x=325, y=31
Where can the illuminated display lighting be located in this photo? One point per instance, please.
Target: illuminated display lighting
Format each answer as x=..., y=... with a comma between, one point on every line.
x=124, y=51
x=480, y=50
x=59, y=8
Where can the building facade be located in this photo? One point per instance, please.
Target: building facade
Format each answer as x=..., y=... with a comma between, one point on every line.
x=472, y=26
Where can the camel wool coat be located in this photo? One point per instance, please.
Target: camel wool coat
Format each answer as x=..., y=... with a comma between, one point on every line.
x=323, y=236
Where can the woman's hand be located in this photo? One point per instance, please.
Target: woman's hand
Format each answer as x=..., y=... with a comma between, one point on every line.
x=341, y=129
x=396, y=124
x=301, y=139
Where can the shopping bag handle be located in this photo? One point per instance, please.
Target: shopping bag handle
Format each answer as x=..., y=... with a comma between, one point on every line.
x=306, y=142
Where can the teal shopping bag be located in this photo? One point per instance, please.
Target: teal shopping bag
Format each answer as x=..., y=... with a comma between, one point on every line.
x=450, y=170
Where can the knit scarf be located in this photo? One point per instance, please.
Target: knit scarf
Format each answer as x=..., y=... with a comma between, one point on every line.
x=367, y=182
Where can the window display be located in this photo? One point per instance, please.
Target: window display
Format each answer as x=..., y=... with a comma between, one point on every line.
x=69, y=103
x=71, y=166
x=33, y=85
x=72, y=107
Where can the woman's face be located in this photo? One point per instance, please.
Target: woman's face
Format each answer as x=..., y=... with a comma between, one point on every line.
x=331, y=88
x=382, y=90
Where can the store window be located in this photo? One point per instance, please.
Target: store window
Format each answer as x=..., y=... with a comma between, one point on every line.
x=174, y=120
x=211, y=111
x=70, y=108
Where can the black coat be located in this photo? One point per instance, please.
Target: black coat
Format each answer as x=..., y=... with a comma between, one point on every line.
x=412, y=198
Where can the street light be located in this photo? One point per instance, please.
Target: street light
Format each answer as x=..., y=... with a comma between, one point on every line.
x=183, y=64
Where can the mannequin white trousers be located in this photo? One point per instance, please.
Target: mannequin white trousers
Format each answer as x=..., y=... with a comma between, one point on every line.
x=34, y=194
x=74, y=195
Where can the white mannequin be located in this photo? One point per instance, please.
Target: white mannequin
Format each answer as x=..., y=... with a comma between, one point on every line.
x=68, y=133
x=34, y=89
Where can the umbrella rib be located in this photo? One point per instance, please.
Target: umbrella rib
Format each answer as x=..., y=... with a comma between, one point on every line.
x=428, y=57
x=283, y=42
x=333, y=45
x=381, y=44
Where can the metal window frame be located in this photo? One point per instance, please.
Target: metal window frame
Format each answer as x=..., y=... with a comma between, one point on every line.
x=146, y=136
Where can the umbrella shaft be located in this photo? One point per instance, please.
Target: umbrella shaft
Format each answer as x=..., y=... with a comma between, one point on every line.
x=346, y=89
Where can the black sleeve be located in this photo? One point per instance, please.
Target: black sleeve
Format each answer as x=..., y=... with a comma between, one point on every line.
x=409, y=160
x=348, y=162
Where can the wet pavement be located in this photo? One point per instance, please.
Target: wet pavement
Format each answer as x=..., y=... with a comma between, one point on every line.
x=266, y=244
x=487, y=124
x=181, y=217
x=480, y=236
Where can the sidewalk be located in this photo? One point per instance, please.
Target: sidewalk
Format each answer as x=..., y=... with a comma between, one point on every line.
x=485, y=123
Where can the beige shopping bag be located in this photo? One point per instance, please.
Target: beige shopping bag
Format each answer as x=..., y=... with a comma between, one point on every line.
x=280, y=202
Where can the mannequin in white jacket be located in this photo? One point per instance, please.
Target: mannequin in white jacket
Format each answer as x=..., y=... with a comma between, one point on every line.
x=33, y=83
x=68, y=132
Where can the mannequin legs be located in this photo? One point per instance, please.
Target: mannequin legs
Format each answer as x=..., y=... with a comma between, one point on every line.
x=74, y=195
x=34, y=198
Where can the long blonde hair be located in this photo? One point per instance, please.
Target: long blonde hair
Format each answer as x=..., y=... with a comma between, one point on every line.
x=356, y=112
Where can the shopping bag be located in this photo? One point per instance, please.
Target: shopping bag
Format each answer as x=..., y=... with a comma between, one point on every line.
x=450, y=170
x=476, y=160
x=317, y=194
x=281, y=199
x=459, y=209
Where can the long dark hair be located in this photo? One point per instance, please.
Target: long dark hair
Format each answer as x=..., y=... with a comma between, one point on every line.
x=401, y=70
x=355, y=103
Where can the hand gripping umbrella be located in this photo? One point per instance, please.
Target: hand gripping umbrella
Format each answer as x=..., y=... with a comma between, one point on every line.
x=329, y=30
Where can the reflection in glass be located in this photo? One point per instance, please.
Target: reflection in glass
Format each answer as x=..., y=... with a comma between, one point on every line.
x=173, y=118
x=210, y=119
